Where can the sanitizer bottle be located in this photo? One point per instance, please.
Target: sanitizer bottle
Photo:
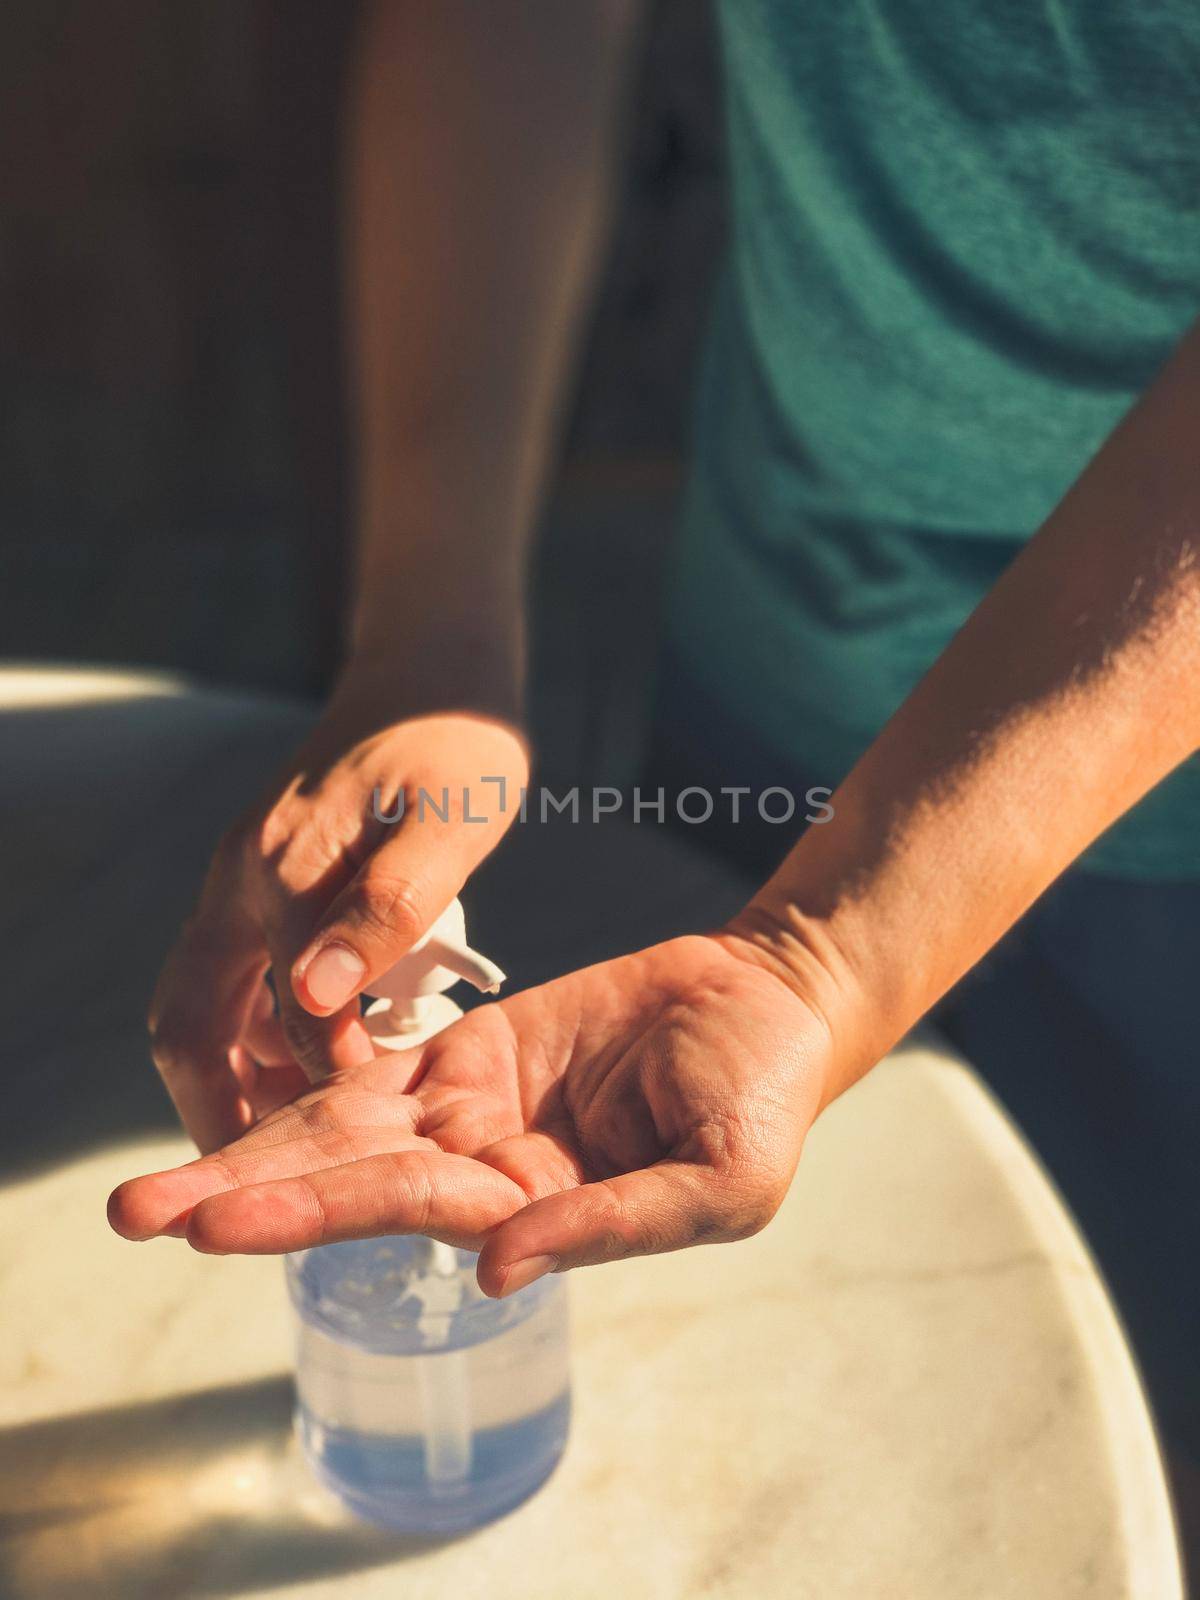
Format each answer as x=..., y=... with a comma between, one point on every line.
x=421, y=1403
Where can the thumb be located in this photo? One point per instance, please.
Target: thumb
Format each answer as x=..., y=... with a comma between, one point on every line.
x=667, y=1206
x=381, y=913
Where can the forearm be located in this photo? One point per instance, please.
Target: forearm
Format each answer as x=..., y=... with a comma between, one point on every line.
x=1071, y=691
x=481, y=155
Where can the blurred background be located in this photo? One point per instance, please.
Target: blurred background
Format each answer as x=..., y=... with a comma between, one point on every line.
x=172, y=463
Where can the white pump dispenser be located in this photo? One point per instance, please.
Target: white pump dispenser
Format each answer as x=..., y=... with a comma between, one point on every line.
x=482, y=1384
x=411, y=1005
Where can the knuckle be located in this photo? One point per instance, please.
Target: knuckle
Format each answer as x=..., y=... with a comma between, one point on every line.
x=319, y=1215
x=268, y=836
x=617, y=1231
x=399, y=1186
x=394, y=906
x=293, y=850
x=412, y=1191
x=288, y=847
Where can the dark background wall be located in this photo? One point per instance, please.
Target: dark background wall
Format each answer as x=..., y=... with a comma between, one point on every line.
x=171, y=459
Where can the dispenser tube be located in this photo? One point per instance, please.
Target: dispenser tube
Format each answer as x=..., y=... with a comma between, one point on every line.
x=444, y=1383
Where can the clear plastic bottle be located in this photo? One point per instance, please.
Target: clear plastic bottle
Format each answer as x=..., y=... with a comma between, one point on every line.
x=422, y=1414
x=424, y=1405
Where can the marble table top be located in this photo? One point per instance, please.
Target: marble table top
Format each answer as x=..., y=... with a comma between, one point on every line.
x=911, y=1384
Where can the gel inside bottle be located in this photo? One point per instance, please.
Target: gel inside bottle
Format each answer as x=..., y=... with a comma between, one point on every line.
x=422, y=1404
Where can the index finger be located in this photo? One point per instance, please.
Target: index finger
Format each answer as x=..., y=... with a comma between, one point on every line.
x=452, y=1198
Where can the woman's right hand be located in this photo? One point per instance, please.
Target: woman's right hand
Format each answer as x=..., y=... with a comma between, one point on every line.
x=311, y=886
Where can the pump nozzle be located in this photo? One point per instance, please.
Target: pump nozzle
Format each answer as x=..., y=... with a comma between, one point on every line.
x=466, y=963
x=438, y=959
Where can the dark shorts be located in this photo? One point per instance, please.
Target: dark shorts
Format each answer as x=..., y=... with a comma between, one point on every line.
x=1083, y=1020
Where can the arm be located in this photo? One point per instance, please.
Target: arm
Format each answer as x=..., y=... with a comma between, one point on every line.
x=1071, y=691
x=481, y=155
x=480, y=168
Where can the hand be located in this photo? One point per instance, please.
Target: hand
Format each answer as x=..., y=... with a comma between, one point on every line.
x=311, y=886
x=651, y=1102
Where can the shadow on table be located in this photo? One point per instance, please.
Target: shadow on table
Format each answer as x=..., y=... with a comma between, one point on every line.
x=109, y=810
x=201, y=1494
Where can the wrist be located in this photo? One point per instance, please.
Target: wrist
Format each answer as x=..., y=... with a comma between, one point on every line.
x=401, y=676
x=807, y=957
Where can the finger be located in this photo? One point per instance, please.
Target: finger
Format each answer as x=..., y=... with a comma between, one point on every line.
x=452, y=1198
x=325, y=1045
x=666, y=1206
x=401, y=889
x=263, y=1033
x=202, y=998
x=289, y=886
x=308, y=1134
x=337, y=1042
x=266, y=1088
x=161, y=1202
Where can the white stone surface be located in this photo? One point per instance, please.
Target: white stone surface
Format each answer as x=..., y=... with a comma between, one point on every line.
x=911, y=1385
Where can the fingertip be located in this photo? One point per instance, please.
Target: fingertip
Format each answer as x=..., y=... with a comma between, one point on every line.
x=122, y=1213
x=492, y=1265
x=203, y=1231
x=507, y=1263
x=489, y=1280
x=350, y=1045
x=133, y=1214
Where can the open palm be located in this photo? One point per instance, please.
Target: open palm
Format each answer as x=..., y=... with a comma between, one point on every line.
x=643, y=1104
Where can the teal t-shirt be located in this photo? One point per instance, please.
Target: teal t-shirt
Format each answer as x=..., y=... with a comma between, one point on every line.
x=965, y=236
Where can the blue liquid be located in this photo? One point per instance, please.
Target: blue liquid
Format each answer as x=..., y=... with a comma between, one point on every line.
x=382, y=1477
x=426, y=1422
